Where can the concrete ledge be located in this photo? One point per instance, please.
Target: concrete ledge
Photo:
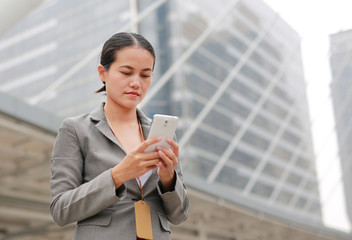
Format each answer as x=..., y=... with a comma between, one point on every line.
x=17, y=108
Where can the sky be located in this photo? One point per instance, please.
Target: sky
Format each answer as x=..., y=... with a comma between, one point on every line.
x=314, y=21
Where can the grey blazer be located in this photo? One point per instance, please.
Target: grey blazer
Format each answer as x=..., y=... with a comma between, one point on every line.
x=82, y=189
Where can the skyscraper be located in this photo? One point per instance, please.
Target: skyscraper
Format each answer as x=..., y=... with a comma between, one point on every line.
x=241, y=94
x=341, y=93
x=231, y=70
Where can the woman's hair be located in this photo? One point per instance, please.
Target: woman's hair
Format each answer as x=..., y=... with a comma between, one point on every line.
x=116, y=43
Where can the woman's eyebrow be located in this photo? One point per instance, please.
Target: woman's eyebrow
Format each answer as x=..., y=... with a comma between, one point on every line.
x=129, y=67
x=126, y=66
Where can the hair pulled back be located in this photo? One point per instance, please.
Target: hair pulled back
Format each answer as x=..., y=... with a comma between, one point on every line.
x=118, y=42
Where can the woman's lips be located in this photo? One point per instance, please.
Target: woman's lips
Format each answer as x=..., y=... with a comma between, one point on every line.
x=133, y=94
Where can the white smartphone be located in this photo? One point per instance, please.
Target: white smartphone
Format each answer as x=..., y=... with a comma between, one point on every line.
x=163, y=126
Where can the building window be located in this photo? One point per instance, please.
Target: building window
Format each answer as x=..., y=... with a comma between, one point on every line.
x=273, y=171
x=232, y=178
x=244, y=159
x=284, y=197
x=263, y=190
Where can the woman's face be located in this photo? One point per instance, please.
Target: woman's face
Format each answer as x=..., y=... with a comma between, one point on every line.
x=129, y=77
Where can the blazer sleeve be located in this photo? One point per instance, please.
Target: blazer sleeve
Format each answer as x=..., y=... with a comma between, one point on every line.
x=71, y=199
x=175, y=202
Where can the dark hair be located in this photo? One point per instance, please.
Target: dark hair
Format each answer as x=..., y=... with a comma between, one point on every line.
x=116, y=43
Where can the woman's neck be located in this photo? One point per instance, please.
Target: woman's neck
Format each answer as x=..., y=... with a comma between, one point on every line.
x=121, y=115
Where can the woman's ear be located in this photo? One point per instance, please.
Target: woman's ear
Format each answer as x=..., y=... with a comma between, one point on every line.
x=102, y=72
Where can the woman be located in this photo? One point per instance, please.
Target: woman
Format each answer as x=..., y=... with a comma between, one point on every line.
x=99, y=168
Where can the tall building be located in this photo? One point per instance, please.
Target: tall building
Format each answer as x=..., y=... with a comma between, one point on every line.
x=240, y=91
x=341, y=93
x=231, y=70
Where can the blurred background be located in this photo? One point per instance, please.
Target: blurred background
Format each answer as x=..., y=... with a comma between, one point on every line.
x=262, y=88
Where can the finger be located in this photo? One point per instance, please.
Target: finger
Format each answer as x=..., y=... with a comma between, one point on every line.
x=148, y=168
x=149, y=156
x=174, y=145
x=147, y=143
x=151, y=163
x=170, y=154
x=145, y=166
x=166, y=161
x=136, y=157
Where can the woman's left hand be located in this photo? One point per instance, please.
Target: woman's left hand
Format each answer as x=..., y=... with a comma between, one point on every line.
x=168, y=161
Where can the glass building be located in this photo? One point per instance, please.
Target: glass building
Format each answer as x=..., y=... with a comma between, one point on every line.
x=231, y=70
x=341, y=92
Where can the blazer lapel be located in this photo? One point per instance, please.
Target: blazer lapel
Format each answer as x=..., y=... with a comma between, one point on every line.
x=145, y=122
x=102, y=125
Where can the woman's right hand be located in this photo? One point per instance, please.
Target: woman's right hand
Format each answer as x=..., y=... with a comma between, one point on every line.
x=136, y=163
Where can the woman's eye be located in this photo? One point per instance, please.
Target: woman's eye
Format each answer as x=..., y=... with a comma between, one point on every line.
x=145, y=76
x=126, y=73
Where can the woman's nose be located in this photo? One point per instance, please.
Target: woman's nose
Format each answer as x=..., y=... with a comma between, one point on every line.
x=134, y=81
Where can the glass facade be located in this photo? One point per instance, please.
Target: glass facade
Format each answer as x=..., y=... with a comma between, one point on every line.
x=341, y=92
x=231, y=70
x=241, y=94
